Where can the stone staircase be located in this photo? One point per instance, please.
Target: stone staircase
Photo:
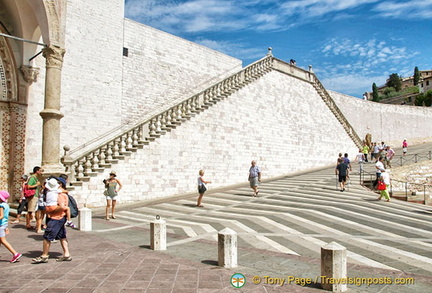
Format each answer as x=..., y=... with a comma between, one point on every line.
x=108, y=152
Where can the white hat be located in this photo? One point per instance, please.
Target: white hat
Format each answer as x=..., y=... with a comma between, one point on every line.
x=52, y=184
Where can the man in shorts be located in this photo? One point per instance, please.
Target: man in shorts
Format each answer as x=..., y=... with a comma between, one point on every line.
x=254, y=177
x=56, y=230
x=33, y=183
x=342, y=172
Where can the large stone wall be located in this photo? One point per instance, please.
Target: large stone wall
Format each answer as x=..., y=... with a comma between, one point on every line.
x=278, y=120
x=102, y=90
x=161, y=68
x=389, y=123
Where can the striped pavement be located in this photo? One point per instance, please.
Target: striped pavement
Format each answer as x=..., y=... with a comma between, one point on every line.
x=295, y=215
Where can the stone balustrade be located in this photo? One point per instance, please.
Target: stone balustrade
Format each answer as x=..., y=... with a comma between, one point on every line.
x=82, y=166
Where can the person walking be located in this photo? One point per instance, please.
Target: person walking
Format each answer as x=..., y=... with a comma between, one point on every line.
x=404, y=147
x=389, y=156
x=342, y=171
x=379, y=166
x=4, y=230
x=384, y=186
x=22, y=202
x=201, y=188
x=360, y=158
x=32, y=201
x=254, y=177
x=113, y=186
x=56, y=230
x=366, y=151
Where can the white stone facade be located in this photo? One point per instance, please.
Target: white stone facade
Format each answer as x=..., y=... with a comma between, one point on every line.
x=389, y=123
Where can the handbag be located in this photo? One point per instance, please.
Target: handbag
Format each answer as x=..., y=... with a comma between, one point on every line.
x=381, y=185
x=29, y=192
x=202, y=188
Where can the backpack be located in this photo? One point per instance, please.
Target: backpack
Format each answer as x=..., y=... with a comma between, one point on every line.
x=72, y=206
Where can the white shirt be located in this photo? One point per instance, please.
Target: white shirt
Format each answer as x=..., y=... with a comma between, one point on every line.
x=52, y=197
x=380, y=166
x=386, y=177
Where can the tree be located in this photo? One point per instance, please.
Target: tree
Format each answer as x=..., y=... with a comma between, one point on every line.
x=424, y=99
x=375, y=95
x=394, y=81
x=416, y=76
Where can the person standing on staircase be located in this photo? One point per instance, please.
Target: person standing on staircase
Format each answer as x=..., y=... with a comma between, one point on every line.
x=254, y=177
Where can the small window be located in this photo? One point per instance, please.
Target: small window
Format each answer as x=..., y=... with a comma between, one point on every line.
x=125, y=52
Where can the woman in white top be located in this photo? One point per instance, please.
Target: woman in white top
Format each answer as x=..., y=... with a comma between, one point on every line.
x=201, y=188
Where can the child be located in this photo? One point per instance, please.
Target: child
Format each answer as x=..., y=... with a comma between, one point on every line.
x=201, y=188
x=4, y=216
x=53, y=190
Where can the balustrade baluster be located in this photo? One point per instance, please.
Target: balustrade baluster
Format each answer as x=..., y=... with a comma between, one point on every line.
x=135, y=136
x=129, y=140
x=116, y=148
x=102, y=155
x=95, y=161
x=87, y=165
x=152, y=127
x=80, y=168
x=123, y=139
x=109, y=151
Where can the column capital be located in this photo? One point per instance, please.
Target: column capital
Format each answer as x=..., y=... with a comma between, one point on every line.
x=53, y=55
x=30, y=73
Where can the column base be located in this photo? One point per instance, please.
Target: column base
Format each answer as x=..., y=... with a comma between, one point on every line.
x=53, y=169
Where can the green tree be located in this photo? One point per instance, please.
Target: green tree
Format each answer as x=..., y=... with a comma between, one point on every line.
x=416, y=76
x=424, y=99
x=394, y=81
x=375, y=95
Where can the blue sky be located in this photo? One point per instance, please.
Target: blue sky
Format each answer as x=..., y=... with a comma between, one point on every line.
x=350, y=43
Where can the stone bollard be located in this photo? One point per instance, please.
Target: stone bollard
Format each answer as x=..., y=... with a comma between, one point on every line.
x=85, y=219
x=333, y=267
x=227, y=248
x=158, y=234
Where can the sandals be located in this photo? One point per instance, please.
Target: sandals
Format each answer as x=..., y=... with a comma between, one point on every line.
x=40, y=259
x=64, y=258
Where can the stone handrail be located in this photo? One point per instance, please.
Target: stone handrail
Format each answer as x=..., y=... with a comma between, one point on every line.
x=96, y=159
x=309, y=76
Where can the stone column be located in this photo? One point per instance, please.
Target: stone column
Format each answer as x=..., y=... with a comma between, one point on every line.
x=333, y=267
x=51, y=114
x=227, y=248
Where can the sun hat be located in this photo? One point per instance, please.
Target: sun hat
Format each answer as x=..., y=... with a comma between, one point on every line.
x=52, y=184
x=4, y=195
x=113, y=173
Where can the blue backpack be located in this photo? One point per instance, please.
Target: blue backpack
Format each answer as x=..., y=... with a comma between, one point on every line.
x=72, y=206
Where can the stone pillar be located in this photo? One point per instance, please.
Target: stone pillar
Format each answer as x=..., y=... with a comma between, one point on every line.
x=85, y=219
x=158, y=234
x=227, y=248
x=51, y=114
x=333, y=267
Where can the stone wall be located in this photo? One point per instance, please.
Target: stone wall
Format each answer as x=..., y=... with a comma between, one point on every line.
x=389, y=123
x=161, y=68
x=278, y=120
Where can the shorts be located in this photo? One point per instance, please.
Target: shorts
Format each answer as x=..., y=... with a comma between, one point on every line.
x=55, y=230
x=3, y=230
x=253, y=181
x=22, y=206
x=111, y=197
x=342, y=178
x=31, y=203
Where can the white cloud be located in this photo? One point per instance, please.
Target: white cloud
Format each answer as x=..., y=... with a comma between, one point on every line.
x=416, y=9
x=237, y=49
